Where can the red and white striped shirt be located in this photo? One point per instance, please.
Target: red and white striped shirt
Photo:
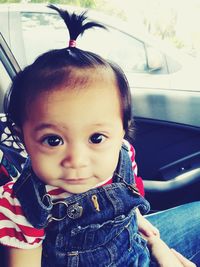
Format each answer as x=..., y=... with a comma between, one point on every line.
x=16, y=231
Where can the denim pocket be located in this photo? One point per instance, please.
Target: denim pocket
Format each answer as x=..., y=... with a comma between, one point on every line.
x=95, y=235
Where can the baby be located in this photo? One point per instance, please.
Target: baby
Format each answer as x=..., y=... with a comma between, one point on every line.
x=76, y=202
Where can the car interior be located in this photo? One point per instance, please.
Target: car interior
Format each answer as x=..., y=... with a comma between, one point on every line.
x=167, y=143
x=168, y=159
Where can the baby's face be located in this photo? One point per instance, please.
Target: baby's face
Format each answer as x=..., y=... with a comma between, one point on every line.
x=74, y=136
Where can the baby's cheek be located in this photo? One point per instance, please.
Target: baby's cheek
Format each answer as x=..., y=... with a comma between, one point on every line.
x=107, y=165
x=44, y=168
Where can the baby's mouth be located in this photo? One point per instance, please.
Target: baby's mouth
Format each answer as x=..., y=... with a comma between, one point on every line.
x=76, y=180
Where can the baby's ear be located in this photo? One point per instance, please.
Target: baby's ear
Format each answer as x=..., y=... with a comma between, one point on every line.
x=18, y=133
x=18, y=136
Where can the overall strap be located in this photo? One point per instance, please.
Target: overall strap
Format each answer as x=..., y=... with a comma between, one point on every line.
x=30, y=192
x=124, y=171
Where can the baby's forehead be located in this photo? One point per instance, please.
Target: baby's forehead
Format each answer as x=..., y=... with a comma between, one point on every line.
x=73, y=109
x=91, y=74
x=82, y=79
x=78, y=81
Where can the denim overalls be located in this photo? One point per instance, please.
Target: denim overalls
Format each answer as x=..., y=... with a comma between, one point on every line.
x=97, y=228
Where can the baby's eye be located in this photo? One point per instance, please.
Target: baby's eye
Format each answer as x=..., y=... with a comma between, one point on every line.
x=97, y=138
x=53, y=140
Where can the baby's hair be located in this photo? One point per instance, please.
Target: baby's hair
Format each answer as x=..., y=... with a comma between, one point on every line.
x=67, y=67
x=75, y=23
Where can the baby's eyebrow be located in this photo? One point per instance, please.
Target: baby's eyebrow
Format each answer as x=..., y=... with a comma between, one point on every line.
x=43, y=126
x=52, y=126
x=102, y=124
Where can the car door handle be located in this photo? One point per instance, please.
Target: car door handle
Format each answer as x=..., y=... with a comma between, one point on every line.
x=177, y=182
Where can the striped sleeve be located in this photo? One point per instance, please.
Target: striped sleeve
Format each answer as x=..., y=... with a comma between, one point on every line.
x=15, y=230
x=138, y=180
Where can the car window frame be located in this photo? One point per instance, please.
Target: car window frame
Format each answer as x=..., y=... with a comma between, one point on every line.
x=7, y=58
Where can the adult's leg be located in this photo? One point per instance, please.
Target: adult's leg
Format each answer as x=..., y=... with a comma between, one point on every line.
x=180, y=228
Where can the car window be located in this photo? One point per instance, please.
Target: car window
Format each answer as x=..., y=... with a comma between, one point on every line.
x=41, y=32
x=34, y=29
x=45, y=31
x=128, y=52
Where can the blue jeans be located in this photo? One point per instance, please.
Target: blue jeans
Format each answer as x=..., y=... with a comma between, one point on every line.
x=180, y=229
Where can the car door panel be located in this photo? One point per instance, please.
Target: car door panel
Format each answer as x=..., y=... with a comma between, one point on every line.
x=168, y=158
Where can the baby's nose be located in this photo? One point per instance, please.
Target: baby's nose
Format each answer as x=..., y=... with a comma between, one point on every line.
x=76, y=157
